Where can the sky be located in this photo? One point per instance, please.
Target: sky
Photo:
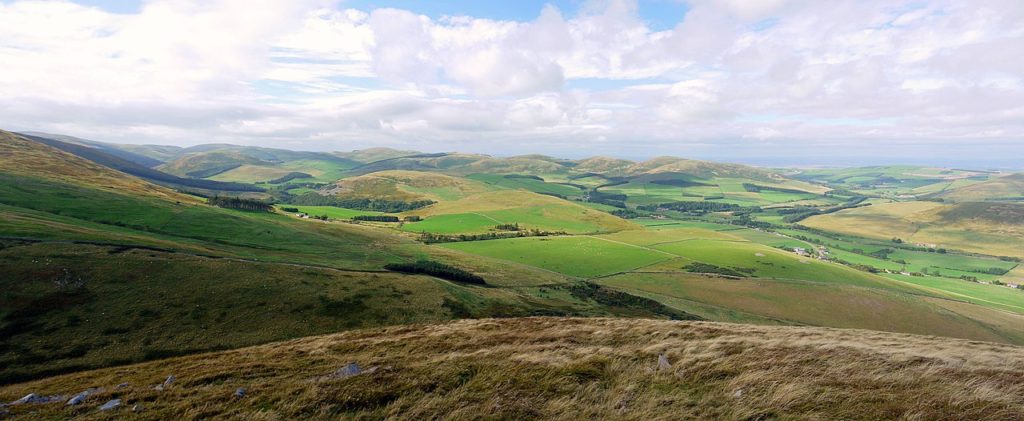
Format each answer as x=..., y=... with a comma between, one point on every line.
x=771, y=82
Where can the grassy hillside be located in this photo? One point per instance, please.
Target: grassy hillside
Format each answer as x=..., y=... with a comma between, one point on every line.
x=21, y=156
x=481, y=212
x=556, y=368
x=131, y=167
x=252, y=164
x=904, y=181
x=407, y=185
x=988, y=228
x=121, y=151
x=1006, y=188
x=369, y=155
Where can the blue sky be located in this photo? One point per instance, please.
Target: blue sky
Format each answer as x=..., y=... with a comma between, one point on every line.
x=767, y=81
x=661, y=14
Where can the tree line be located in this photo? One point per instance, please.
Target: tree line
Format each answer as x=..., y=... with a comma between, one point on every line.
x=376, y=218
x=431, y=238
x=437, y=269
x=240, y=204
x=377, y=205
x=289, y=177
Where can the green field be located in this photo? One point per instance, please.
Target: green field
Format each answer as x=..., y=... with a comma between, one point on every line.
x=332, y=212
x=767, y=262
x=536, y=186
x=584, y=257
x=453, y=224
x=993, y=296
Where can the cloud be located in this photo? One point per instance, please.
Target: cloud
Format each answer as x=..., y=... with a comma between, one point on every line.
x=731, y=73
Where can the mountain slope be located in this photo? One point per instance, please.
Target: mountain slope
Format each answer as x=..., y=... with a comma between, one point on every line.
x=22, y=156
x=557, y=368
x=369, y=155
x=121, y=151
x=129, y=167
x=252, y=164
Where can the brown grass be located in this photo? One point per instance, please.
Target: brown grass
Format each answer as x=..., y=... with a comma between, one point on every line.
x=571, y=369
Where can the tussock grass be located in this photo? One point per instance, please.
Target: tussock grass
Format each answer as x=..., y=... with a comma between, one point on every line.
x=572, y=369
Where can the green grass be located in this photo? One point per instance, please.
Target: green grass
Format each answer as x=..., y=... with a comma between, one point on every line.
x=575, y=256
x=265, y=236
x=551, y=218
x=533, y=185
x=658, y=224
x=991, y=296
x=919, y=259
x=771, y=263
x=124, y=305
x=452, y=224
x=332, y=212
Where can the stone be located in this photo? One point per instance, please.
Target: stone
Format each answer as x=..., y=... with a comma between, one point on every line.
x=34, y=398
x=663, y=363
x=29, y=398
x=81, y=397
x=167, y=383
x=111, y=404
x=349, y=370
x=240, y=392
x=138, y=408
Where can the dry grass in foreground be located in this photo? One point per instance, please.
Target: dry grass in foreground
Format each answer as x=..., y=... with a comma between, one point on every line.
x=567, y=368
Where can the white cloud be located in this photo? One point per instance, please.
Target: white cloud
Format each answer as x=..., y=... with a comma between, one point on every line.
x=314, y=73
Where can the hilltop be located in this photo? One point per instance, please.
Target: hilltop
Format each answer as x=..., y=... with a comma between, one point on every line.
x=24, y=157
x=559, y=368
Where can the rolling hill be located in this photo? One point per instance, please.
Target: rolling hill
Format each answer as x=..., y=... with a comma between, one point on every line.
x=104, y=269
x=369, y=155
x=989, y=228
x=252, y=164
x=101, y=157
x=78, y=240
x=1009, y=188
x=558, y=368
x=406, y=185
x=24, y=157
x=124, y=152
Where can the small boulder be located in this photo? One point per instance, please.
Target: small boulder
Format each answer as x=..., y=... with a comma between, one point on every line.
x=663, y=363
x=240, y=392
x=34, y=398
x=349, y=370
x=121, y=386
x=111, y=404
x=81, y=397
x=29, y=398
x=138, y=408
x=167, y=383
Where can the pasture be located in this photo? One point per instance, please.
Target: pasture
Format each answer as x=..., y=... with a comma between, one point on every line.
x=332, y=211
x=580, y=256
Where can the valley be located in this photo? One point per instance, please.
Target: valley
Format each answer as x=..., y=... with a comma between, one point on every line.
x=104, y=268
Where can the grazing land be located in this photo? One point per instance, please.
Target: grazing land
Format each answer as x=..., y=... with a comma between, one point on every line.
x=557, y=368
x=103, y=269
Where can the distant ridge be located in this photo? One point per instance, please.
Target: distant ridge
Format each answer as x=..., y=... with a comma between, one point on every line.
x=114, y=162
x=136, y=158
